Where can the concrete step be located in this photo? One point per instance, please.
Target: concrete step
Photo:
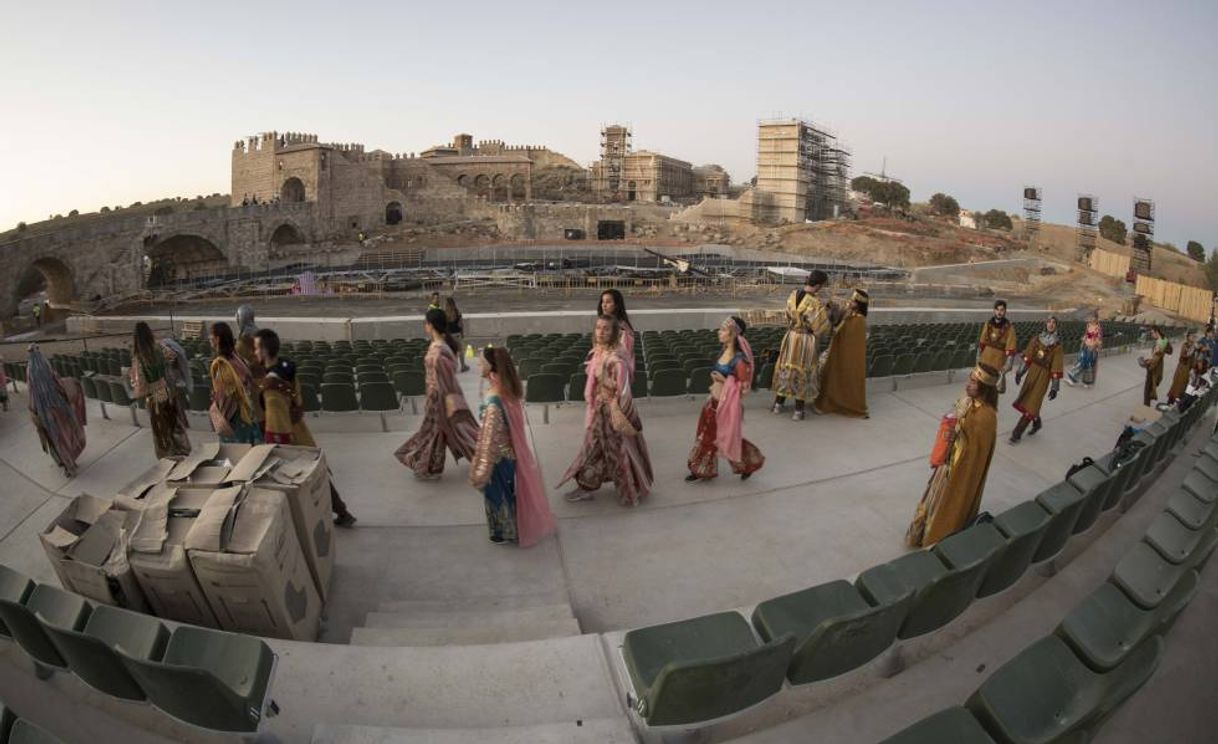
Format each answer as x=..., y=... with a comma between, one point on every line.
x=463, y=636
x=489, y=618
x=598, y=731
x=460, y=604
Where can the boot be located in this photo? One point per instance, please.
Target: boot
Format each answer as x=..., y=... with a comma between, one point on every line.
x=1036, y=424
x=1019, y=429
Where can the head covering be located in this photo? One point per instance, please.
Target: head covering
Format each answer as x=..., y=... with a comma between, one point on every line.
x=729, y=415
x=60, y=423
x=860, y=296
x=985, y=378
x=245, y=321
x=181, y=363
x=534, y=520
x=1047, y=337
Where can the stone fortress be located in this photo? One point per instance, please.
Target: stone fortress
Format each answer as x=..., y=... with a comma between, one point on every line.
x=294, y=198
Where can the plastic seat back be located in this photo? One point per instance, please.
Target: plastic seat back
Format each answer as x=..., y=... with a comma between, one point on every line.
x=378, y=396
x=1064, y=502
x=337, y=396
x=544, y=387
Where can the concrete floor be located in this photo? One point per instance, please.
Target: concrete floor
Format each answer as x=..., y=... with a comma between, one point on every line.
x=834, y=498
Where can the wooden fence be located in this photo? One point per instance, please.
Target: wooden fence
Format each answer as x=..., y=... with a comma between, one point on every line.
x=1188, y=302
x=1107, y=262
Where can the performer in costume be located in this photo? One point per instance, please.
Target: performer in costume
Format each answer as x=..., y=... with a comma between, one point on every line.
x=1042, y=366
x=998, y=343
x=153, y=372
x=613, y=304
x=447, y=421
x=613, y=448
x=1153, y=365
x=1088, y=354
x=953, y=495
x=844, y=385
x=246, y=328
x=57, y=408
x=719, y=425
x=233, y=413
x=284, y=409
x=808, y=327
x=504, y=468
x=1179, y=380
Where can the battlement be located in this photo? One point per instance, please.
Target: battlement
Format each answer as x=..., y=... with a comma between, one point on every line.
x=271, y=141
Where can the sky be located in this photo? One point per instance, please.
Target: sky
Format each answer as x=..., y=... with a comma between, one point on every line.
x=123, y=101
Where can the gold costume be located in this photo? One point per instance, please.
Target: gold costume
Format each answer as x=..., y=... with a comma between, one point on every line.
x=808, y=326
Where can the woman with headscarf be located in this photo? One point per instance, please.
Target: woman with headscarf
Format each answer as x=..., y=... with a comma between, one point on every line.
x=613, y=304
x=504, y=468
x=232, y=408
x=613, y=448
x=58, y=412
x=719, y=425
x=150, y=380
x=447, y=421
x=1042, y=366
x=953, y=496
x=1153, y=365
x=844, y=372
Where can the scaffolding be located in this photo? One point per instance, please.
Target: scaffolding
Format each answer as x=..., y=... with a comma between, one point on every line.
x=1143, y=234
x=1088, y=208
x=1031, y=213
x=803, y=169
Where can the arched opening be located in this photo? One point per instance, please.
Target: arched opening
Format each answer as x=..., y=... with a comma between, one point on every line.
x=285, y=236
x=517, y=187
x=630, y=191
x=293, y=190
x=499, y=188
x=482, y=185
x=463, y=181
x=46, y=282
x=393, y=213
x=182, y=258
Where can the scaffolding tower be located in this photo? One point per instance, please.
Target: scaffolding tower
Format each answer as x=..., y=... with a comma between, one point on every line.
x=803, y=168
x=1088, y=208
x=1031, y=213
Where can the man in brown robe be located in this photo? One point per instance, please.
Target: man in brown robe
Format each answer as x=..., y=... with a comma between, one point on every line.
x=844, y=386
x=1043, y=367
x=953, y=495
x=1154, y=365
x=1179, y=381
x=996, y=347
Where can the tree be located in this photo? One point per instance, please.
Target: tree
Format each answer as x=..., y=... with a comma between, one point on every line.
x=863, y=183
x=1196, y=251
x=1112, y=229
x=996, y=219
x=21, y=227
x=885, y=192
x=1211, y=271
x=104, y=210
x=944, y=205
x=74, y=213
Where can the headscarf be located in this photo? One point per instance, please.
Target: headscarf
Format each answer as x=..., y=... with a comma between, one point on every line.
x=182, y=364
x=1048, y=338
x=534, y=520
x=245, y=321
x=729, y=416
x=46, y=395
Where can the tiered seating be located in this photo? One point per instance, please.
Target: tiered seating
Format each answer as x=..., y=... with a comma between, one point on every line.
x=690, y=671
x=208, y=678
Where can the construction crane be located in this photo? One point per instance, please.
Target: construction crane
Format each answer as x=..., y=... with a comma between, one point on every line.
x=883, y=175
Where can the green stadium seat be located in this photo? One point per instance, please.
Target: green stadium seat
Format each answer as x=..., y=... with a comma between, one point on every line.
x=200, y=397
x=955, y=725
x=1173, y=539
x=638, y=387
x=982, y=542
x=378, y=396
x=208, y=678
x=1199, y=484
x=1023, y=526
x=903, y=365
x=1064, y=502
x=940, y=593
x=54, y=606
x=25, y=732
x=341, y=378
x=1045, y=694
x=1106, y=626
x=765, y=378
x=88, y=387
x=1145, y=576
x=410, y=383
x=836, y=629
x=90, y=652
x=668, y=382
x=338, y=396
x=544, y=387
x=15, y=587
x=1096, y=487
x=704, y=668
x=699, y=380
x=1192, y=511
x=575, y=386
x=308, y=396
x=103, y=389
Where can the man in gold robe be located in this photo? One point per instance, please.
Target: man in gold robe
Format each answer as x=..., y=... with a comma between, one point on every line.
x=953, y=495
x=997, y=344
x=808, y=327
x=844, y=377
x=1043, y=364
x=1154, y=365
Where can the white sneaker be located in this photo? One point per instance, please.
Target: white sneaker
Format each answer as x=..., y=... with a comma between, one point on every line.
x=579, y=495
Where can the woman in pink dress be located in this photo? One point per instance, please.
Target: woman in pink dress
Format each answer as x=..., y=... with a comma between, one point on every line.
x=613, y=447
x=447, y=421
x=719, y=426
x=613, y=304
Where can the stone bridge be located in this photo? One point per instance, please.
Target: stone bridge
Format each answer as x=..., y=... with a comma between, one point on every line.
x=111, y=255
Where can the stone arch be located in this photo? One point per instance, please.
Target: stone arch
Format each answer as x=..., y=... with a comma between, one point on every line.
x=499, y=188
x=517, y=187
x=463, y=180
x=182, y=257
x=393, y=213
x=482, y=184
x=292, y=191
x=51, y=273
x=286, y=235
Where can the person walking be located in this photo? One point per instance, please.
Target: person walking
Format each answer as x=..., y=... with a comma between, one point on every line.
x=447, y=421
x=504, y=468
x=284, y=410
x=1153, y=365
x=953, y=495
x=232, y=410
x=1087, y=363
x=1042, y=367
x=719, y=432
x=58, y=412
x=997, y=345
x=796, y=373
x=456, y=329
x=613, y=448
x=1184, y=366
x=613, y=304
x=37, y=311
x=150, y=380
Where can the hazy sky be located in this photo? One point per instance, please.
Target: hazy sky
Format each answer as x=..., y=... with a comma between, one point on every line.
x=109, y=103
